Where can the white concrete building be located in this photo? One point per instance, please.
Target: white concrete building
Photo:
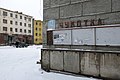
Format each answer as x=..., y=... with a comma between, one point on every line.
x=15, y=25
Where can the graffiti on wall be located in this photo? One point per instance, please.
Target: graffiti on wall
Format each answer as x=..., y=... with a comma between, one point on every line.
x=60, y=37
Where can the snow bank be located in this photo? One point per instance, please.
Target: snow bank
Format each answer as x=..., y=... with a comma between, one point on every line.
x=20, y=64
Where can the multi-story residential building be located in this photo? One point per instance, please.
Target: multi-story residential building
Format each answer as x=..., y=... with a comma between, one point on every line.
x=37, y=32
x=15, y=26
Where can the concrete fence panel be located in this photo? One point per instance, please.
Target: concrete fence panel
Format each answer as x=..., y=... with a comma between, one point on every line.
x=110, y=65
x=45, y=57
x=71, y=61
x=90, y=63
x=96, y=63
x=56, y=60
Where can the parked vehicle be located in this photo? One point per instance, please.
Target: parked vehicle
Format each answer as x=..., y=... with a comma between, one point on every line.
x=18, y=44
x=23, y=44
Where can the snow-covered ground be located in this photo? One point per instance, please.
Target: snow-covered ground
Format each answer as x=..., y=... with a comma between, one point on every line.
x=20, y=64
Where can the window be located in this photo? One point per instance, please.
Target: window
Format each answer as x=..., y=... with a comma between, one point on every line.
x=36, y=39
x=36, y=23
x=16, y=16
x=25, y=18
x=29, y=19
x=39, y=34
x=11, y=29
x=4, y=21
x=29, y=31
x=39, y=29
x=24, y=30
x=4, y=13
x=39, y=24
x=16, y=23
x=20, y=23
x=20, y=30
x=25, y=24
x=11, y=22
x=36, y=34
x=11, y=15
x=20, y=17
x=4, y=28
x=36, y=29
x=16, y=30
x=29, y=25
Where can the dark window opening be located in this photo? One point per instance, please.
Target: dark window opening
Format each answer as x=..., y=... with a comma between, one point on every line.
x=4, y=21
x=16, y=23
x=4, y=28
x=20, y=30
x=11, y=15
x=11, y=22
x=25, y=31
x=29, y=31
x=20, y=23
x=11, y=29
x=4, y=13
x=16, y=30
x=20, y=17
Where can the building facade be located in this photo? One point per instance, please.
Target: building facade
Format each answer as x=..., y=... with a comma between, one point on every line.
x=15, y=26
x=85, y=39
x=37, y=32
x=72, y=13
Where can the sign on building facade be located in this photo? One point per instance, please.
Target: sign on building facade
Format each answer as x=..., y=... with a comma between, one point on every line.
x=51, y=24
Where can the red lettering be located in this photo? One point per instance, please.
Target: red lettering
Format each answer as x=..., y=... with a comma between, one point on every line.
x=99, y=21
x=86, y=21
x=72, y=24
x=61, y=25
x=66, y=24
x=92, y=22
x=79, y=23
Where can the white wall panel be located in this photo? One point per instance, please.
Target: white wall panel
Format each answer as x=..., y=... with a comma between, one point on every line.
x=87, y=36
x=83, y=36
x=62, y=37
x=108, y=36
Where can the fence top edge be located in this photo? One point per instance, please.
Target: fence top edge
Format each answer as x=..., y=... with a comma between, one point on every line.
x=79, y=50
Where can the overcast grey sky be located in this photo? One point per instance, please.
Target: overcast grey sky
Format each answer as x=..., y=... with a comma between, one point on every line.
x=30, y=7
